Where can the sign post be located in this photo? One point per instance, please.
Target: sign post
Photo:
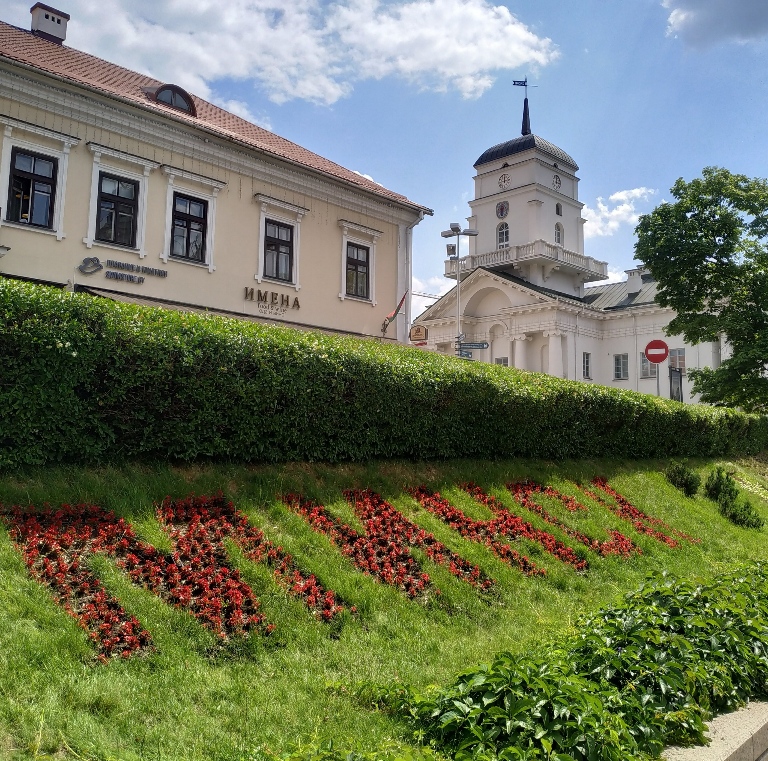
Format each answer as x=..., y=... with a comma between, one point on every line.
x=656, y=352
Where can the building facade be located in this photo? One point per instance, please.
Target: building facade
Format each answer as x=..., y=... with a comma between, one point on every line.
x=524, y=284
x=134, y=189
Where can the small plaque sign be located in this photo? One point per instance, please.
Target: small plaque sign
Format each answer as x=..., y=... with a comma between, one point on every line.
x=418, y=333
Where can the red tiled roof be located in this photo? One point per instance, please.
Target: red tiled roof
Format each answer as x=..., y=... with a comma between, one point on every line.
x=22, y=46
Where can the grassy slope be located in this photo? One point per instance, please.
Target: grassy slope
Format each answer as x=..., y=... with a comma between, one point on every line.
x=184, y=703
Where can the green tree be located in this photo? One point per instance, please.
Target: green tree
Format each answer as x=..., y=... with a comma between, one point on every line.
x=708, y=250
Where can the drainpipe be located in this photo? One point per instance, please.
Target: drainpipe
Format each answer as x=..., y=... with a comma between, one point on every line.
x=637, y=354
x=409, y=270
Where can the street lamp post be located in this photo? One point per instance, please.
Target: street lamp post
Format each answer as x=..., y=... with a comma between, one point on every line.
x=454, y=252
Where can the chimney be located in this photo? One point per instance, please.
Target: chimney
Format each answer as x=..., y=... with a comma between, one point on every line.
x=635, y=280
x=49, y=23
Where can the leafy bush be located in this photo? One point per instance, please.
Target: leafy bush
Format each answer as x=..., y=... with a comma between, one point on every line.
x=639, y=676
x=86, y=379
x=740, y=511
x=685, y=479
x=720, y=485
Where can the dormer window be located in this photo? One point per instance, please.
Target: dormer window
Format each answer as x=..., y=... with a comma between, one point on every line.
x=175, y=97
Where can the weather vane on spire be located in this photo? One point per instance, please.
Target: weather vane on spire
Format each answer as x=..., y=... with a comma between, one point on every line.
x=526, y=129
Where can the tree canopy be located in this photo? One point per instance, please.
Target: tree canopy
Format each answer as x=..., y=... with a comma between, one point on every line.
x=708, y=250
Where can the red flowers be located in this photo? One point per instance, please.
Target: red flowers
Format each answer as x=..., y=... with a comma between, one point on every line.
x=198, y=526
x=625, y=509
x=55, y=544
x=483, y=532
x=383, y=551
x=618, y=544
x=512, y=526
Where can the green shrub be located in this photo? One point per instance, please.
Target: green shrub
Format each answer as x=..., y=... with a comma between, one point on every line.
x=86, y=380
x=720, y=485
x=739, y=511
x=685, y=479
x=638, y=676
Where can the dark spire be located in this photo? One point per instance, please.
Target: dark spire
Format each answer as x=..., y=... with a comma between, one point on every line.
x=526, y=119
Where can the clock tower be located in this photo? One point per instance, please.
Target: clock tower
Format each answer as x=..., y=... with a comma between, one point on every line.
x=528, y=215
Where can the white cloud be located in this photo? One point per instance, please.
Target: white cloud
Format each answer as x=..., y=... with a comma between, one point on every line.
x=607, y=219
x=313, y=50
x=701, y=23
x=435, y=285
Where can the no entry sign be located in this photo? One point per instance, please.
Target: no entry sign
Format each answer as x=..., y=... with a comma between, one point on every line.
x=656, y=351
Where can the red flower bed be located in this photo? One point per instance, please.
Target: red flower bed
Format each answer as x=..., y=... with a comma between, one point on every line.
x=618, y=544
x=198, y=526
x=54, y=544
x=643, y=523
x=383, y=551
x=514, y=527
x=482, y=532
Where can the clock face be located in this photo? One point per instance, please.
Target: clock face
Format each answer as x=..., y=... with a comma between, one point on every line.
x=505, y=181
x=502, y=209
x=556, y=183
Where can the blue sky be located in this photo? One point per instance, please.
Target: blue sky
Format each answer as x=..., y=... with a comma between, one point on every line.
x=411, y=92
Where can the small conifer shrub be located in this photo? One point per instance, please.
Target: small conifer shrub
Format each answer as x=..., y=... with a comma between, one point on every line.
x=685, y=479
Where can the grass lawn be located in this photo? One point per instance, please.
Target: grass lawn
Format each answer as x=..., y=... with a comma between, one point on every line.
x=194, y=699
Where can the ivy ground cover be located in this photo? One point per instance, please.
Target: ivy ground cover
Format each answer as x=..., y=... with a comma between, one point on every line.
x=288, y=581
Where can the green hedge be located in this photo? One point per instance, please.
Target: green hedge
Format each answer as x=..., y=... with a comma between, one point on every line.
x=85, y=379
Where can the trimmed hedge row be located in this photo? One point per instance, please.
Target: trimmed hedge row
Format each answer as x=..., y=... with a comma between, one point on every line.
x=85, y=379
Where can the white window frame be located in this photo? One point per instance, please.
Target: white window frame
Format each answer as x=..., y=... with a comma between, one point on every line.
x=501, y=245
x=11, y=141
x=190, y=186
x=287, y=214
x=358, y=235
x=586, y=365
x=502, y=361
x=623, y=368
x=559, y=235
x=648, y=369
x=142, y=178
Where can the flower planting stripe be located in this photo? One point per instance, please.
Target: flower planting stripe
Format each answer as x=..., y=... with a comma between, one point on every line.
x=514, y=527
x=383, y=551
x=483, y=532
x=55, y=543
x=621, y=506
x=618, y=544
x=199, y=525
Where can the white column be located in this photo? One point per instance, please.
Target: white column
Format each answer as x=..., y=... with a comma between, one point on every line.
x=555, y=353
x=571, y=362
x=520, y=359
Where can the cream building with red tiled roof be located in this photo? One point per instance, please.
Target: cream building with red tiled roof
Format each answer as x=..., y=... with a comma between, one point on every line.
x=131, y=188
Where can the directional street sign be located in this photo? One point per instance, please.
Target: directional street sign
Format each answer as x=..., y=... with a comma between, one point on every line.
x=656, y=351
x=475, y=345
x=465, y=354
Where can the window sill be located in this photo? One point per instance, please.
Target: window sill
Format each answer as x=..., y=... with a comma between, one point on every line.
x=113, y=246
x=32, y=228
x=620, y=380
x=361, y=299
x=179, y=260
x=278, y=281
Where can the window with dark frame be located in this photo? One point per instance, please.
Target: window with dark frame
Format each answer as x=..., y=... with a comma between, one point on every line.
x=278, y=251
x=190, y=225
x=621, y=366
x=117, y=210
x=677, y=359
x=32, y=189
x=358, y=268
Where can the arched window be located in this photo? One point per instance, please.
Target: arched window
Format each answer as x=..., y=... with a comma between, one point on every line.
x=174, y=96
x=559, y=209
x=559, y=234
x=502, y=235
